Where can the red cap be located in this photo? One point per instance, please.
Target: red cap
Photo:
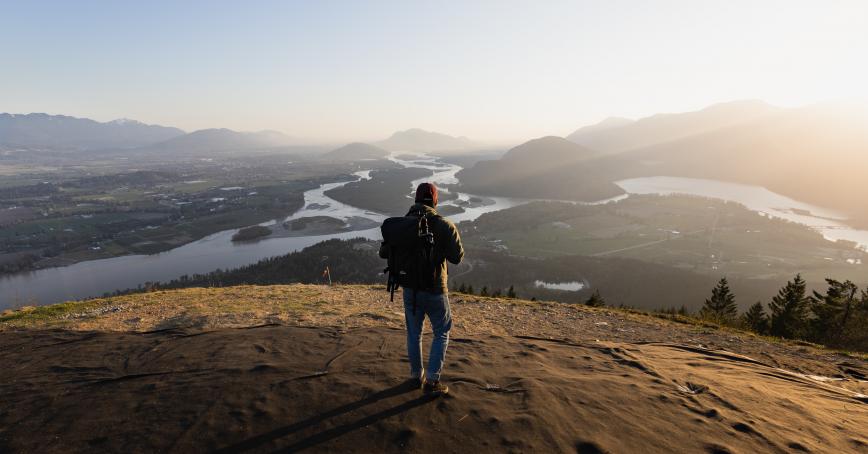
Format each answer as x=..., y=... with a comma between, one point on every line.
x=427, y=193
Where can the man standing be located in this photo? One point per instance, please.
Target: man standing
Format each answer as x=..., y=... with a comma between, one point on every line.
x=429, y=297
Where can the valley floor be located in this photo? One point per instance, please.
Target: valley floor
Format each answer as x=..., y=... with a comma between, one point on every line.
x=292, y=367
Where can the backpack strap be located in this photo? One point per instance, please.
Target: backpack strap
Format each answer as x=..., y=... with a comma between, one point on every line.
x=391, y=280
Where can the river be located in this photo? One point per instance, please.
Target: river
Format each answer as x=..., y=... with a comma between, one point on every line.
x=96, y=277
x=756, y=198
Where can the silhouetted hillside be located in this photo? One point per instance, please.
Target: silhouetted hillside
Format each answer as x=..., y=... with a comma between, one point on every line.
x=544, y=168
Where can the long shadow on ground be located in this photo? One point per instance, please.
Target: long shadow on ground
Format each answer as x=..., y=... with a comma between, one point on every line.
x=280, y=388
x=335, y=432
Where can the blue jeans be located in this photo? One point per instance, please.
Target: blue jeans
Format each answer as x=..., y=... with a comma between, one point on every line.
x=436, y=307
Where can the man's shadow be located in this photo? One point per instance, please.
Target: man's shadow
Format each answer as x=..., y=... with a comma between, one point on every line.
x=326, y=435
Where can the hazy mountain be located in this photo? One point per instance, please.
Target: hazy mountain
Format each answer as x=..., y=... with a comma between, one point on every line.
x=59, y=131
x=615, y=135
x=538, y=168
x=421, y=140
x=817, y=154
x=609, y=123
x=356, y=151
x=545, y=152
x=208, y=140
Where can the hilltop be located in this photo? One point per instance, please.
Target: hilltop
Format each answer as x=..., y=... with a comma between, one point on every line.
x=264, y=368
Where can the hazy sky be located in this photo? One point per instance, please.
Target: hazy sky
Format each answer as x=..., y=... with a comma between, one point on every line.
x=360, y=70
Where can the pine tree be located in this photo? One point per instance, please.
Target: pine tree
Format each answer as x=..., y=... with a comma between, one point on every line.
x=834, y=312
x=859, y=337
x=484, y=291
x=462, y=288
x=755, y=319
x=789, y=310
x=497, y=293
x=721, y=307
x=595, y=300
x=470, y=289
x=511, y=292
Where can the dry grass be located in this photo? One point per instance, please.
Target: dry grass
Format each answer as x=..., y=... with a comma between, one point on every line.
x=354, y=306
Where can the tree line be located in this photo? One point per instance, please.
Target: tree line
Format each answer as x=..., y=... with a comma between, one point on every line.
x=836, y=318
x=349, y=261
x=485, y=291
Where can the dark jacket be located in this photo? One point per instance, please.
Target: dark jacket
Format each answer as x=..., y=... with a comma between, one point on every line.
x=447, y=245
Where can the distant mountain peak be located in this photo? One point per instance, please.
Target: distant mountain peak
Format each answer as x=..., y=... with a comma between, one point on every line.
x=357, y=151
x=608, y=123
x=417, y=139
x=223, y=139
x=611, y=137
x=548, y=148
x=125, y=121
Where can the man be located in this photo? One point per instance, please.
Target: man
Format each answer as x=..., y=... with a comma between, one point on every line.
x=432, y=300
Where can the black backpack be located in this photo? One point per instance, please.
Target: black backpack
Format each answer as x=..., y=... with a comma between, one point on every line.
x=410, y=243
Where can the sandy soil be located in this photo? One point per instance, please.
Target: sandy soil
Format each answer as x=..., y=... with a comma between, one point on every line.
x=366, y=306
x=286, y=368
x=280, y=388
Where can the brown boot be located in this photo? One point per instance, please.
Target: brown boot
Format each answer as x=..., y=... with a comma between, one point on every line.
x=434, y=388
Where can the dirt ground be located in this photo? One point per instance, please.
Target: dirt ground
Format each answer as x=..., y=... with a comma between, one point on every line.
x=279, y=388
x=367, y=306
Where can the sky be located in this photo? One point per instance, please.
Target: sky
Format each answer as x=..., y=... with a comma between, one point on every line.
x=497, y=71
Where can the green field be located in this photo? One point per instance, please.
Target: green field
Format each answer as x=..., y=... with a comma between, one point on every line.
x=97, y=209
x=690, y=233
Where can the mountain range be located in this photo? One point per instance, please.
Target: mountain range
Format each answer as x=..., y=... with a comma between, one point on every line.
x=65, y=133
x=618, y=134
x=816, y=154
x=39, y=130
x=61, y=132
